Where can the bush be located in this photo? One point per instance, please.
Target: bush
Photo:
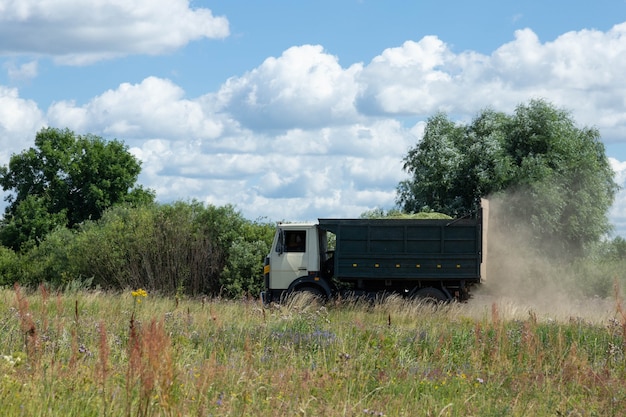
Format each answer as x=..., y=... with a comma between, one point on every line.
x=154, y=247
x=242, y=274
x=52, y=261
x=9, y=266
x=173, y=248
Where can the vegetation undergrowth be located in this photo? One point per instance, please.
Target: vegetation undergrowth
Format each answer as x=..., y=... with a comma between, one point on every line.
x=139, y=354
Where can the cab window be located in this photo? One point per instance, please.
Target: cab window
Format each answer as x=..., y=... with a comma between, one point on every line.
x=295, y=241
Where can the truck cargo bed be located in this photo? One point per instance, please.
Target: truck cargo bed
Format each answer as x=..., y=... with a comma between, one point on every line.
x=406, y=249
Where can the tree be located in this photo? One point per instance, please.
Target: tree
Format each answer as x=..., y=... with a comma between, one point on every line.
x=554, y=176
x=434, y=164
x=64, y=180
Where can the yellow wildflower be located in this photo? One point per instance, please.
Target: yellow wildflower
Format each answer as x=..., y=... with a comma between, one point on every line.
x=139, y=294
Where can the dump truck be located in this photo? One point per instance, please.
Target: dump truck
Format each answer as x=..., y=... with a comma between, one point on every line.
x=436, y=260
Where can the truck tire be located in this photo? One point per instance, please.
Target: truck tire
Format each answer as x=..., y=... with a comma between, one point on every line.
x=429, y=295
x=316, y=293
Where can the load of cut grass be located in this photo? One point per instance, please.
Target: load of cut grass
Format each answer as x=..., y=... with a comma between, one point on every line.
x=423, y=215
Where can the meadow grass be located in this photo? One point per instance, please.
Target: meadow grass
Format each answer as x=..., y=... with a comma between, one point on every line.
x=136, y=354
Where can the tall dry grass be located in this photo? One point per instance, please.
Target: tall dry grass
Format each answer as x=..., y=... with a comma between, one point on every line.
x=94, y=354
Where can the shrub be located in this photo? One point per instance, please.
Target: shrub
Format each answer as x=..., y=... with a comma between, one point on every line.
x=154, y=247
x=173, y=248
x=242, y=274
x=9, y=265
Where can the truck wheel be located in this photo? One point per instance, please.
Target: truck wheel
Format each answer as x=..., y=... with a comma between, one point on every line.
x=315, y=293
x=429, y=295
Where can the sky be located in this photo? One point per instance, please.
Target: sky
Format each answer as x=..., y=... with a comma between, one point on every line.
x=297, y=110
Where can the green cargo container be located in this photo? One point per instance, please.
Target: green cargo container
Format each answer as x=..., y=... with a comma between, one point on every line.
x=407, y=254
x=406, y=249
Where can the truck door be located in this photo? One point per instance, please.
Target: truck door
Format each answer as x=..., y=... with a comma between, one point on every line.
x=289, y=258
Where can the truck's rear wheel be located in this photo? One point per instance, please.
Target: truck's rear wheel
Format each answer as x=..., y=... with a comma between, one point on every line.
x=429, y=295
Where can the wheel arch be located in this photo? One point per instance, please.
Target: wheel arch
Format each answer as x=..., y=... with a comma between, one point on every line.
x=309, y=282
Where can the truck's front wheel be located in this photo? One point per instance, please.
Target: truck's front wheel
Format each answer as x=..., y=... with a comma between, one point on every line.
x=316, y=294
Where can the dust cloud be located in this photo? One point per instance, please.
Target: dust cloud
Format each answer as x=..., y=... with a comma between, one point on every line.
x=521, y=280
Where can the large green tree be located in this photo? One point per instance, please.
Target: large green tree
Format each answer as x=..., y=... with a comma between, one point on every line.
x=553, y=176
x=63, y=180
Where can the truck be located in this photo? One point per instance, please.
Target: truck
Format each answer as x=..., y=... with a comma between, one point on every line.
x=435, y=260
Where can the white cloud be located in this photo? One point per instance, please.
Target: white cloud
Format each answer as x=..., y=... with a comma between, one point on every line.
x=19, y=121
x=292, y=183
x=192, y=148
x=301, y=137
x=618, y=211
x=78, y=32
x=580, y=71
x=305, y=87
x=153, y=108
x=620, y=171
x=23, y=72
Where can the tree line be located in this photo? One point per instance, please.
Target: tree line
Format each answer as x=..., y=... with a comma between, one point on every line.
x=184, y=248
x=76, y=215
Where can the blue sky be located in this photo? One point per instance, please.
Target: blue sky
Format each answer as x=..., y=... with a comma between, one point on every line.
x=294, y=110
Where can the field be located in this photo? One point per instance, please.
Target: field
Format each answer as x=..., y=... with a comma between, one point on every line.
x=83, y=353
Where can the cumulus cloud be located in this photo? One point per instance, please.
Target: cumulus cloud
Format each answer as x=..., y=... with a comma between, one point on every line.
x=300, y=136
x=407, y=79
x=277, y=182
x=19, y=121
x=305, y=87
x=194, y=148
x=23, y=72
x=77, y=32
x=618, y=211
x=153, y=108
x=580, y=71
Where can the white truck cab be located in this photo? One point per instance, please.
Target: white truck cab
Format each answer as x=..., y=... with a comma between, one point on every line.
x=294, y=260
